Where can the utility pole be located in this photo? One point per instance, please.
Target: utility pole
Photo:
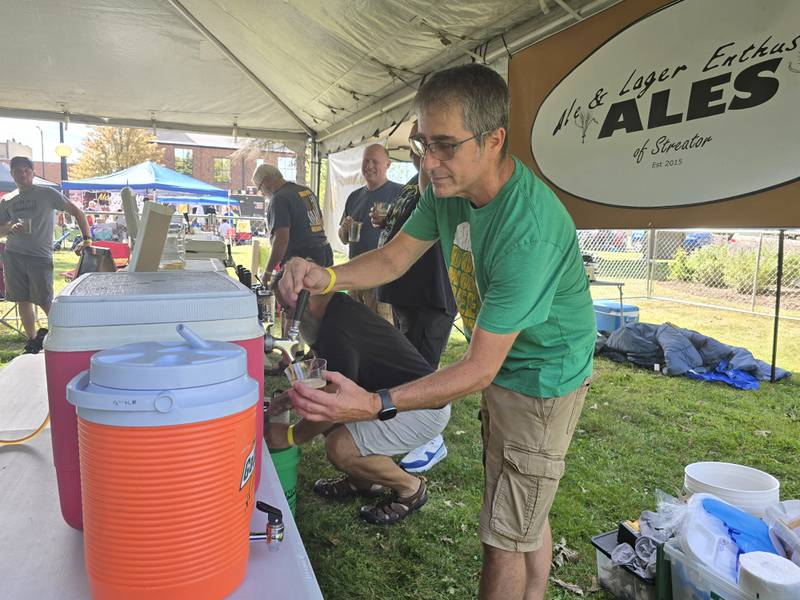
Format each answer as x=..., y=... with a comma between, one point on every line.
x=41, y=135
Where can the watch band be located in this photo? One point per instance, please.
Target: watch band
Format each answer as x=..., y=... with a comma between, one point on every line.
x=388, y=409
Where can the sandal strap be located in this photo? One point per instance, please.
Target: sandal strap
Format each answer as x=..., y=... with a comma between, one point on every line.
x=393, y=509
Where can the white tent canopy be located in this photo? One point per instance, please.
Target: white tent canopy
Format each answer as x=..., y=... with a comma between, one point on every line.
x=336, y=71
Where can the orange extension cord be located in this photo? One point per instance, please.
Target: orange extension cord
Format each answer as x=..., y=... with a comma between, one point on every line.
x=30, y=436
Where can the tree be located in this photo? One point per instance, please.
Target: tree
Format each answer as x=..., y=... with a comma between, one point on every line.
x=109, y=149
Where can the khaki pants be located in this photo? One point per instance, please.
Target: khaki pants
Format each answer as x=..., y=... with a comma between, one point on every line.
x=525, y=440
x=369, y=298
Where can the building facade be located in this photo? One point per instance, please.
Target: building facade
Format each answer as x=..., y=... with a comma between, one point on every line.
x=209, y=158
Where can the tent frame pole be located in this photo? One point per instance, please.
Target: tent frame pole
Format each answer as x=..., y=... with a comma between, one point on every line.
x=316, y=167
x=777, y=305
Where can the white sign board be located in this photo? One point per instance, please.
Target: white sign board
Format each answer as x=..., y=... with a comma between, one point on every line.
x=697, y=102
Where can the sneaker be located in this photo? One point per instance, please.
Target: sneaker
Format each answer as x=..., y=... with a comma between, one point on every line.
x=423, y=458
x=35, y=344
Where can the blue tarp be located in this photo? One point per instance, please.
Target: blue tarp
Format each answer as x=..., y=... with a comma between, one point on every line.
x=147, y=176
x=197, y=200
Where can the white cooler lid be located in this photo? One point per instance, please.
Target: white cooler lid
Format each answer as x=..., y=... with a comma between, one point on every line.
x=122, y=298
x=164, y=383
x=167, y=365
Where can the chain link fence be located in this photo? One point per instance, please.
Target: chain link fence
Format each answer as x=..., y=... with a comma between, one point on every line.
x=734, y=269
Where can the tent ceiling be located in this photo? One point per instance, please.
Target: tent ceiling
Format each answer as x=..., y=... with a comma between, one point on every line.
x=283, y=69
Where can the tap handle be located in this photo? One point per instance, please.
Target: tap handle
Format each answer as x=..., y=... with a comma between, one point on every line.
x=300, y=309
x=274, y=514
x=247, y=278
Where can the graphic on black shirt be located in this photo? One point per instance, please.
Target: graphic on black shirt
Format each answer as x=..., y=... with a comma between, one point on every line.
x=312, y=210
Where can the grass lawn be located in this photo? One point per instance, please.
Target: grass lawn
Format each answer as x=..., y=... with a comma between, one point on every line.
x=637, y=432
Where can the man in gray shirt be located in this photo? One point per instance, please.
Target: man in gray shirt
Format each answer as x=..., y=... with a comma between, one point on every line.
x=357, y=209
x=27, y=220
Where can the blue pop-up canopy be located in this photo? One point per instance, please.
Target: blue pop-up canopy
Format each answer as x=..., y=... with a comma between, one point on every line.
x=147, y=176
x=197, y=200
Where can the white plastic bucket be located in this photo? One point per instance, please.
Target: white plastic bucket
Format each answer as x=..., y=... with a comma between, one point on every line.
x=744, y=487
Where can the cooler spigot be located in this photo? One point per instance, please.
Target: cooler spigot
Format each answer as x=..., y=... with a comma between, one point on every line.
x=273, y=533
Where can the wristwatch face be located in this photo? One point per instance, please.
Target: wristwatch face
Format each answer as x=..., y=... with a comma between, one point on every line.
x=388, y=409
x=387, y=413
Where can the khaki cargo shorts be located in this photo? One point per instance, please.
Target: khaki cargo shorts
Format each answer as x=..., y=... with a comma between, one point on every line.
x=525, y=440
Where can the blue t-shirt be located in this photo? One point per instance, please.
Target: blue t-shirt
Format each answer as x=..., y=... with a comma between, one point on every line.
x=358, y=206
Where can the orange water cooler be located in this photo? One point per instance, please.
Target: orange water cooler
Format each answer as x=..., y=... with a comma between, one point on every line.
x=167, y=442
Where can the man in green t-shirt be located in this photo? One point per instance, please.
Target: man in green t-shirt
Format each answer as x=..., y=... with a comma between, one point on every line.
x=519, y=283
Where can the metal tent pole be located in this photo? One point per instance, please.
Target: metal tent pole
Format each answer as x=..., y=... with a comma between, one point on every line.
x=777, y=305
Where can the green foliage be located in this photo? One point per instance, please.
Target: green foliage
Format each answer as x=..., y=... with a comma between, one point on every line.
x=679, y=269
x=707, y=265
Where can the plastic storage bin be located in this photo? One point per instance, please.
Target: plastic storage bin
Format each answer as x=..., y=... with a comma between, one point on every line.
x=168, y=441
x=621, y=582
x=692, y=580
x=103, y=310
x=608, y=316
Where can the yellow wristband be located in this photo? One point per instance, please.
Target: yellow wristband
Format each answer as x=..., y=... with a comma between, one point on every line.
x=332, y=281
x=290, y=435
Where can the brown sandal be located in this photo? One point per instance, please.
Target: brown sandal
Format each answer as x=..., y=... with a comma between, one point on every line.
x=341, y=488
x=394, y=509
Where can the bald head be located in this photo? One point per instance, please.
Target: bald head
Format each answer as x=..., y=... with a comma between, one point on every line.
x=374, y=165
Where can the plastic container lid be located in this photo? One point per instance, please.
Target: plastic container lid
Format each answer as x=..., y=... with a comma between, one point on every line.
x=122, y=298
x=168, y=365
x=164, y=383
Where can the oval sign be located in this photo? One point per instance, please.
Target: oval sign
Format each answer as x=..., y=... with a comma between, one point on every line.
x=694, y=103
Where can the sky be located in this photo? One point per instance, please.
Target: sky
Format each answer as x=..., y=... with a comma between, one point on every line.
x=24, y=131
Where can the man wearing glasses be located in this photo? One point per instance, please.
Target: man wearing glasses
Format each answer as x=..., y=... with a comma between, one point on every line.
x=520, y=286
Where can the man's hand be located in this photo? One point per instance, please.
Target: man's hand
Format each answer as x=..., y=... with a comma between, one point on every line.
x=378, y=221
x=84, y=244
x=344, y=230
x=350, y=403
x=299, y=274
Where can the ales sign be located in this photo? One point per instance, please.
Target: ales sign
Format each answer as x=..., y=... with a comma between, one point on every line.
x=693, y=102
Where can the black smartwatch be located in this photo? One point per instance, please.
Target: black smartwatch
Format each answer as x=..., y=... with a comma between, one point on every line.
x=388, y=409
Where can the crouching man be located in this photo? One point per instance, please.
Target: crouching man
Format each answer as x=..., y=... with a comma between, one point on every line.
x=363, y=347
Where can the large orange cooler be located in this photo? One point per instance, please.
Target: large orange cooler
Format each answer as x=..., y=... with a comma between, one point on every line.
x=167, y=437
x=103, y=310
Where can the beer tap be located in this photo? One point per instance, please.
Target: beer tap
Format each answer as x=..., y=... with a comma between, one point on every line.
x=291, y=345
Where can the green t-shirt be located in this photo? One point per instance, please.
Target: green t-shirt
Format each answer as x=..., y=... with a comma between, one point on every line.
x=514, y=265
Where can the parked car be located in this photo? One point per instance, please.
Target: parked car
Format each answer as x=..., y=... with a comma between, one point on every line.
x=695, y=240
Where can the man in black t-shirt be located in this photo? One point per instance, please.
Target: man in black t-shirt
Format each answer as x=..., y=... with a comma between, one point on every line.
x=365, y=348
x=294, y=220
x=422, y=301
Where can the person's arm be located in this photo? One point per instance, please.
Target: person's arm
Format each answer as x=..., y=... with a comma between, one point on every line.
x=8, y=226
x=80, y=219
x=367, y=270
x=280, y=243
x=475, y=371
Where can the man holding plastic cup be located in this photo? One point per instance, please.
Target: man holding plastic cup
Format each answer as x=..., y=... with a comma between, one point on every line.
x=520, y=286
x=27, y=219
x=355, y=229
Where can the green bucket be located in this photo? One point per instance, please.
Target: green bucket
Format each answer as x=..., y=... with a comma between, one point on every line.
x=285, y=461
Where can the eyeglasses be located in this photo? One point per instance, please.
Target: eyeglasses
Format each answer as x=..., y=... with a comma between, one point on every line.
x=439, y=150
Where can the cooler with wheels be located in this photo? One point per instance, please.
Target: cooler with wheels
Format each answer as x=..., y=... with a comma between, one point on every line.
x=103, y=310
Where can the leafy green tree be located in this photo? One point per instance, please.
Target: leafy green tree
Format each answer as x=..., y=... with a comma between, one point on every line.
x=109, y=149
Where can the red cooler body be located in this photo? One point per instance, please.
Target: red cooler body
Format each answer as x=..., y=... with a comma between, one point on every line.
x=102, y=310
